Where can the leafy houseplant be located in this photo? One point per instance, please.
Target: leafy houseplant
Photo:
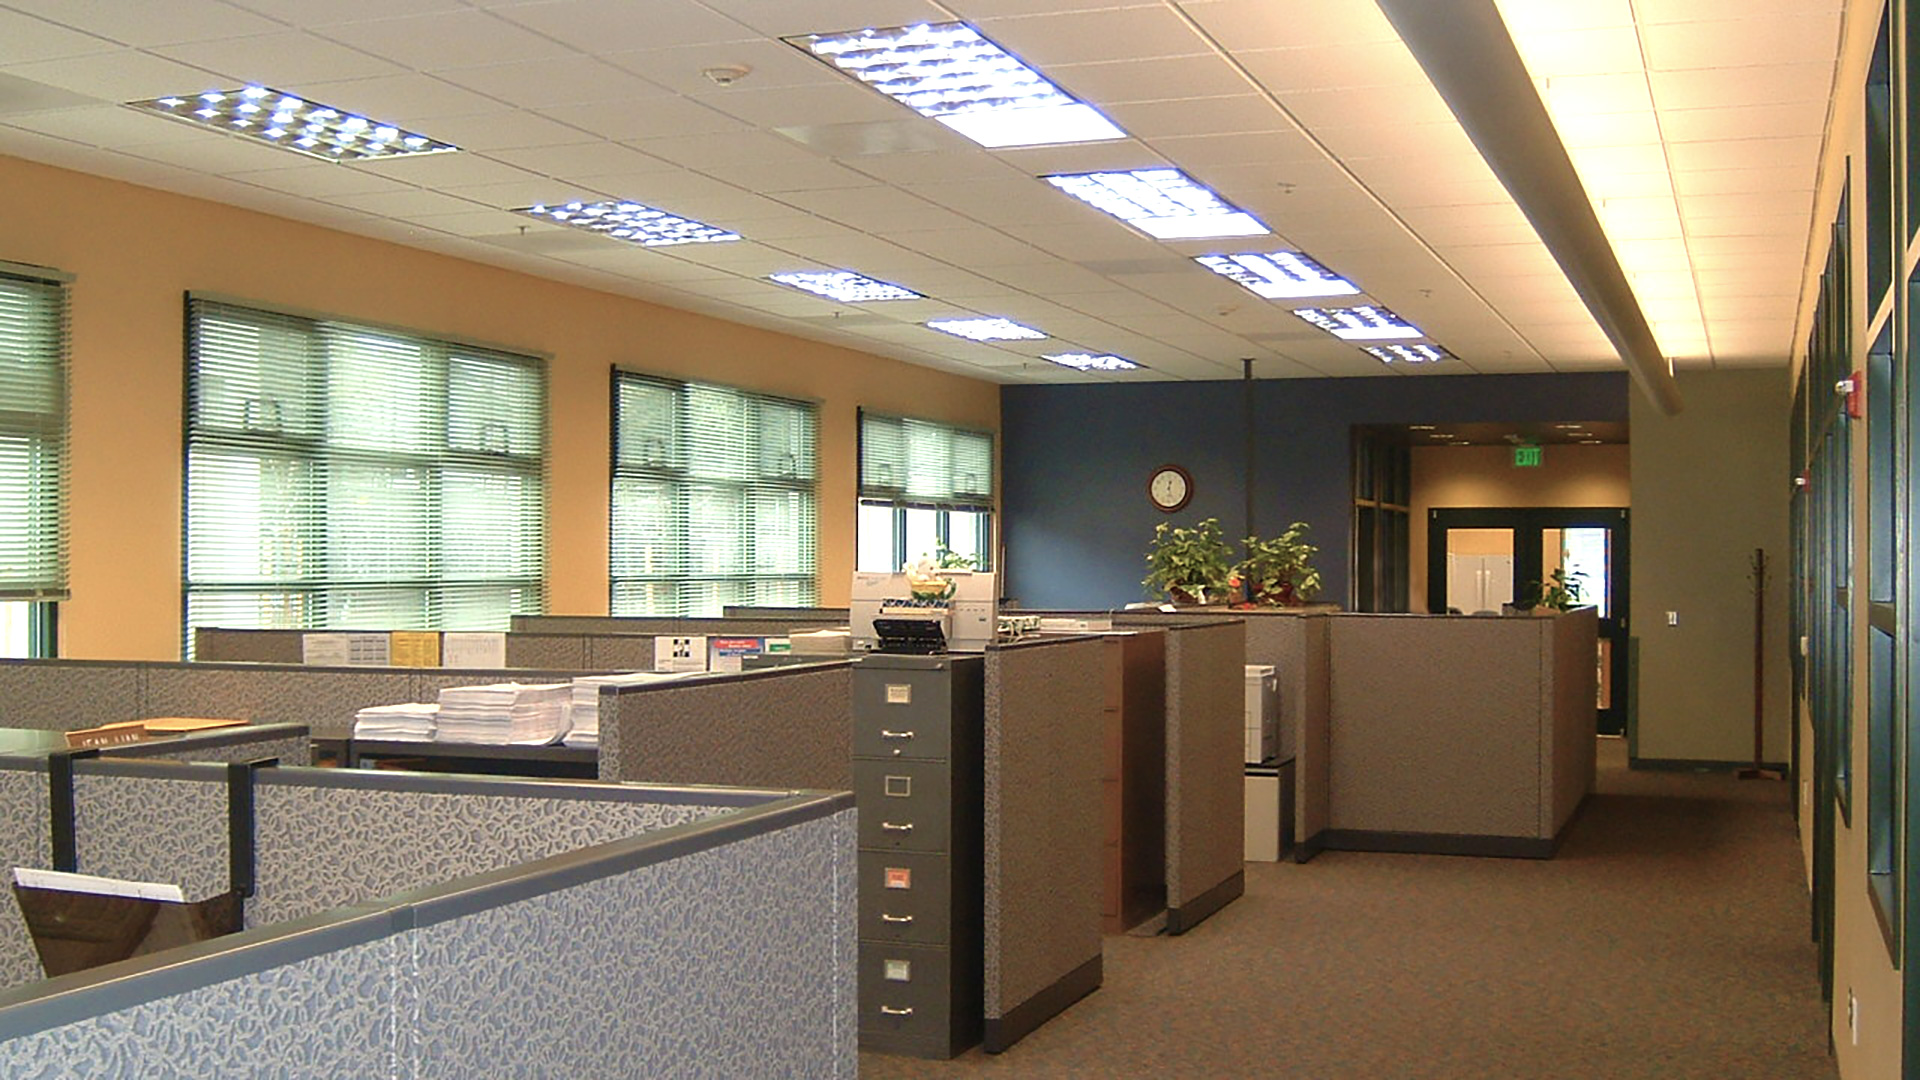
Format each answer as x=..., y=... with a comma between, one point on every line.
x=1559, y=592
x=1280, y=570
x=1189, y=565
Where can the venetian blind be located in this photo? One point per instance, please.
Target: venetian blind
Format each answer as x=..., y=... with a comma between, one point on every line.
x=356, y=477
x=908, y=462
x=33, y=435
x=714, y=498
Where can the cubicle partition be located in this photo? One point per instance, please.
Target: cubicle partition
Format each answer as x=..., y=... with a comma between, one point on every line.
x=757, y=621
x=781, y=727
x=561, y=650
x=1045, y=723
x=61, y=695
x=448, y=927
x=1481, y=742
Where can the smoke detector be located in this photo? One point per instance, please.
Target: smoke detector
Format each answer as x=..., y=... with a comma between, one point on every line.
x=726, y=74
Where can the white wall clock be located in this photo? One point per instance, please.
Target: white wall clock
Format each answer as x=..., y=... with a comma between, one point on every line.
x=1170, y=487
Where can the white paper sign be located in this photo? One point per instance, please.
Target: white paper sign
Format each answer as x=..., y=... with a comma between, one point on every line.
x=680, y=653
x=473, y=649
x=324, y=650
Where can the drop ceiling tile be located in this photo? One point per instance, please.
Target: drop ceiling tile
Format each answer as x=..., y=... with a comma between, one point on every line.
x=404, y=204
x=968, y=247
x=1523, y=17
x=1243, y=114
x=1118, y=155
x=1014, y=201
x=583, y=159
x=881, y=210
x=1092, y=242
x=557, y=81
x=1741, y=42
x=761, y=152
x=29, y=38
x=1252, y=148
x=907, y=134
x=1743, y=153
x=1366, y=107
x=454, y=39
x=1806, y=118
x=601, y=26
x=320, y=180
x=1760, y=203
x=471, y=223
x=1269, y=24
x=1150, y=79
x=658, y=117
x=1581, y=95
x=1409, y=188
x=1595, y=50
x=516, y=130
x=1112, y=301
x=522, y=193
x=1090, y=36
x=771, y=106
x=1654, y=12
x=1708, y=183
x=1769, y=84
x=214, y=152
x=1627, y=185
x=782, y=18
x=768, y=64
x=1286, y=71
x=281, y=60
x=125, y=75
x=1603, y=161
x=1609, y=129
x=448, y=170
x=1407, y=144
x=410, y=100
x=145, y=25
x=930, y=168
x=107, y=125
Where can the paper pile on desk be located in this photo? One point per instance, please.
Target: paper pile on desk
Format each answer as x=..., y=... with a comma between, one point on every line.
x=412, y=722
x=516, y=714
x=585, y=713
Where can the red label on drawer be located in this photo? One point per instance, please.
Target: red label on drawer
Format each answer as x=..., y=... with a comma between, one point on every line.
x=899, y=877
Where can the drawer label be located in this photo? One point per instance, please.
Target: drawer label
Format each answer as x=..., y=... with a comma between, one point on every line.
x=900, y=787
x=899, y=877
x=899, y=693
x=899, y=971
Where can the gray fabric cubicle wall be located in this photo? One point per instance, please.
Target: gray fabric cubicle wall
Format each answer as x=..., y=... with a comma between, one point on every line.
x=721, y=946
x=1206, y=786
x=560, y=651
x=1482, y=742
x=1044, y=736
x=781, y=727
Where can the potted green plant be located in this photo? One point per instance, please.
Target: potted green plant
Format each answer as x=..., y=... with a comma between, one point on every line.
x=1189, y=565
x=1280, y=570
x=1558, y=593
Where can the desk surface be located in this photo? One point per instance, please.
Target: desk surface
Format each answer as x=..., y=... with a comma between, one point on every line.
x=576, y=762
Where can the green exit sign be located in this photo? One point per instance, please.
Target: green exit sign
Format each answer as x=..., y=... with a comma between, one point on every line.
x=1526, y=457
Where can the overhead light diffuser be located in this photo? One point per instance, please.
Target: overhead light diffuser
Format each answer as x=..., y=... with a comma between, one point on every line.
x=293, y=123
x=844, y=286
x=986, y=329
x=1279, y=275
x=632, y=222
x=1080, y=361
x=1165, y=204
x=1416, y=353
x=948, y=72
x=1369, y=322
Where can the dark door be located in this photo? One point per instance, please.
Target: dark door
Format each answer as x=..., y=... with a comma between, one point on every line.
x=1481, y=559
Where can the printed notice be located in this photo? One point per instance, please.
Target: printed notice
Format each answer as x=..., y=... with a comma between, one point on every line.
x=730, y=653
x=473, y=649
x=680, y=653
x=899, y=693
x=416, y=648
x=369, y=650
x=324, y=650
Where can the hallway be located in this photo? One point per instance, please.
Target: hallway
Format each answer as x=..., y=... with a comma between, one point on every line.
x=1668, y=939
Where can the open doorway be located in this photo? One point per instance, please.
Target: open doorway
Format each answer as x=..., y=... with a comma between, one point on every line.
x=1484, y=559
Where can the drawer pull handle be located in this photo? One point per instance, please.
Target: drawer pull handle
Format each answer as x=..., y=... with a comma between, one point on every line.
x=886, y=734
x=884, y=917
x=891, y=1011
x=900, y=827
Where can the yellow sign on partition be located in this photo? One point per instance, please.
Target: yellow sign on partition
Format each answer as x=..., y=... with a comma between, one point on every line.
x=415, y=648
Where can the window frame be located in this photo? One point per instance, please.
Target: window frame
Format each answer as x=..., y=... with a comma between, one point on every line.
x=54, y=428
x=943, y=505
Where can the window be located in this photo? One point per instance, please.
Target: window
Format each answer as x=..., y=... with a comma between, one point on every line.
x=356, y=477
x=923, y=487
x=33, y=456
x=714, y=498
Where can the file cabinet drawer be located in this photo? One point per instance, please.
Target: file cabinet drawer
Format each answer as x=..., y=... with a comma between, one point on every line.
x=904, y=805
x=905, y=995
x=905, y=897
x=902, y=713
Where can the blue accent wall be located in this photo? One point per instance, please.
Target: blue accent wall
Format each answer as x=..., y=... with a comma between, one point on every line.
x=1074, y=511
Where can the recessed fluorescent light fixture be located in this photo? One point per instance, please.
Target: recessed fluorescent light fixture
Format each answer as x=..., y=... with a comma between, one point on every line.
x=1407, y=354
x=1281, y=275
x=1166, y=204
x=986, y=329
x=294, y=123
x=1080, y=361
x=948, y=72
x=844, y=286
x=632, y=222
x=1368, y=322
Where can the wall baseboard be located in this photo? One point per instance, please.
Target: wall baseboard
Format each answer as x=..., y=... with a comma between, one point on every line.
x=1699, y=765
x=1021, y=1020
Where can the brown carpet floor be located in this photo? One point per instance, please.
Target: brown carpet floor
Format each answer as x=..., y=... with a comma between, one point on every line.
x=1668, y=939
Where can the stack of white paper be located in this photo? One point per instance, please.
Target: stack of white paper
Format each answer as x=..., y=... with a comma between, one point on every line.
x=412, y=722
x=834, y=643
x=504, y=713
x=584, y=713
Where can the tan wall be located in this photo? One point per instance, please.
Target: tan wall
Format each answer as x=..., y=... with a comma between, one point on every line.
x=135, y=251
x=1482, y=477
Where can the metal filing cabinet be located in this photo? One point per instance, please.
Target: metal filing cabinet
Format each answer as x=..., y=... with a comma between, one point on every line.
x=917, y=743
